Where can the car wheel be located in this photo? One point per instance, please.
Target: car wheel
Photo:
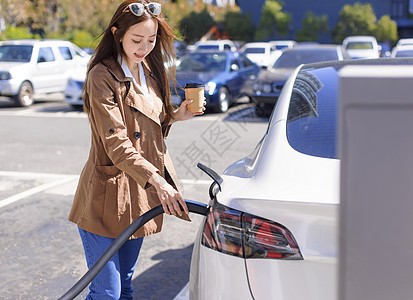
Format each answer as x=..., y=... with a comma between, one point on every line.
x=25, y=95
x=223, y=100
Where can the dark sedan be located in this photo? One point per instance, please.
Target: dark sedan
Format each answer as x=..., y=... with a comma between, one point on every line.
x=227, y=76
x=270, y=82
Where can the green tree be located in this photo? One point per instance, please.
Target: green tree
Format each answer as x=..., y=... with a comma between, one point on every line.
x=356, y=19
x=195, y=25
x=239, y=26
x=273, y=21
x=386, y=30
x=13, y=33
x=312, y=27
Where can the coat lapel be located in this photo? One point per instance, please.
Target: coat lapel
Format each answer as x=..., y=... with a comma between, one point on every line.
x=135, y=97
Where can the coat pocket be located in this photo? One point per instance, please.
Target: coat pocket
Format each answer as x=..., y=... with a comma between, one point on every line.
x=116, y=192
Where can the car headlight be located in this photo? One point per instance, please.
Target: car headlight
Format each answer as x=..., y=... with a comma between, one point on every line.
x=4, y=75
x=244, y=235
x=210, y=87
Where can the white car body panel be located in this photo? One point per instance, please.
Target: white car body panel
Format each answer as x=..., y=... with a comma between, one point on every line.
x=216, y=285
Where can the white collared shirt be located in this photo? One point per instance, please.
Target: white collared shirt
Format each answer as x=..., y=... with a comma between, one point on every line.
x=143, y=87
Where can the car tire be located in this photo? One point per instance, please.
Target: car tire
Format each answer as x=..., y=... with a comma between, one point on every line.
x=223, y=100
x=25, y=95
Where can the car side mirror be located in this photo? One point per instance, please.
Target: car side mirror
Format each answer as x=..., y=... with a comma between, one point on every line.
x=41, y=60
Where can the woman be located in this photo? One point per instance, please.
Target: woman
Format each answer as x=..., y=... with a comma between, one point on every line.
x=129, y=171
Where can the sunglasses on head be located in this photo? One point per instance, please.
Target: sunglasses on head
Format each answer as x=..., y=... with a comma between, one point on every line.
x=138, y=8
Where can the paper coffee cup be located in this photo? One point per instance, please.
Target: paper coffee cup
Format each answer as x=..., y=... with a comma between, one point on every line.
x=195, y=91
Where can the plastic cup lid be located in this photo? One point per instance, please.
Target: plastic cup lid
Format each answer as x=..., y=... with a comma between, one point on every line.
x=194, y=85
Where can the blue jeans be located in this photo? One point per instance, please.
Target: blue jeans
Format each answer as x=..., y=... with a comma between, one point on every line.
x=114, y=281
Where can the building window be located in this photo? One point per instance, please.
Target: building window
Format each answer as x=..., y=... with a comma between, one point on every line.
x=398, y=9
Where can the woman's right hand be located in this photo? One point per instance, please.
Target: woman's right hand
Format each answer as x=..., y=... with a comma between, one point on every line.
x=170, y=198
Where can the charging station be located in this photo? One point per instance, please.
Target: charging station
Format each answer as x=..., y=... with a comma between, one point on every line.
x=376, y=212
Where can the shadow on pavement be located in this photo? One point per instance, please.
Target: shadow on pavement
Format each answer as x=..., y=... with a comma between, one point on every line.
x=167, y=278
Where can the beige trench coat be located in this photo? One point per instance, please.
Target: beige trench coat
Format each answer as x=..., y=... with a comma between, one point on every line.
x=127, y=147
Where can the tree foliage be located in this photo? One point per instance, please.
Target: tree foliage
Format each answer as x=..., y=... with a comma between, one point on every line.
x=195, y=25
x=356, y=19
x=360, y=19
x=273, y=21
x=386, y=30
x=312, y=27
x=239, y=26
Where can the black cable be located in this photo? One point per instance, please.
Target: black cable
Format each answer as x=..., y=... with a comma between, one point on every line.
x=79, y=286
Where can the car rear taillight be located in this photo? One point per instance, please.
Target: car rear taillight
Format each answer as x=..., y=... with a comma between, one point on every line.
x=236, y=233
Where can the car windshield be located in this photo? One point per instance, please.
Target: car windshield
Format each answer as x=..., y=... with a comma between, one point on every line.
x=292, y=59
x=202, y=62
x=16, y=53
x=313, y=113
x=254, y=50
x=359, y=45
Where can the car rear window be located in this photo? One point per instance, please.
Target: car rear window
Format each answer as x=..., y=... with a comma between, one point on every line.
x=294, y=58
x=359, y=45
x=255, y=50
x=312, y=114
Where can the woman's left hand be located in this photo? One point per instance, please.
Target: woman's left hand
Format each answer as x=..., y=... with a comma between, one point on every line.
x=182, y=113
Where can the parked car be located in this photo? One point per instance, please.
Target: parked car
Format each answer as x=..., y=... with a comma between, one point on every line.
x=272, y=227
x=402, y=51
x=73, y=89
x=32, y=67
x=226, y=75
x=404, y=42
x=362, y=46
x=215, y=45
x=283, y=44
x=269, y=83
x=262, y=53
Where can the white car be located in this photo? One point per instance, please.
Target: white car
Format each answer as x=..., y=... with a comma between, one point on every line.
x=405, y=50
x=405, y=42
x=263, y=54
x=32, y=67
x=73, y=90
x=215, y=45
x=272, y=227
x=362, y=46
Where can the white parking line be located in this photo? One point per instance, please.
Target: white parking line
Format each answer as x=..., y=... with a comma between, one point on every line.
x=57, y=180
x=33, y=113
x=35, y=190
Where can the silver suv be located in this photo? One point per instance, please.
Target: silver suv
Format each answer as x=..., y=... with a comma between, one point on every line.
x=33, y=67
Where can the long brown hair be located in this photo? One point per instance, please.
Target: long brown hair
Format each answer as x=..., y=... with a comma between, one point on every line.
x=163, y=52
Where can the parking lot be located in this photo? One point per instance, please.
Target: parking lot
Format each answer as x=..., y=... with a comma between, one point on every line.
x=43, y=150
